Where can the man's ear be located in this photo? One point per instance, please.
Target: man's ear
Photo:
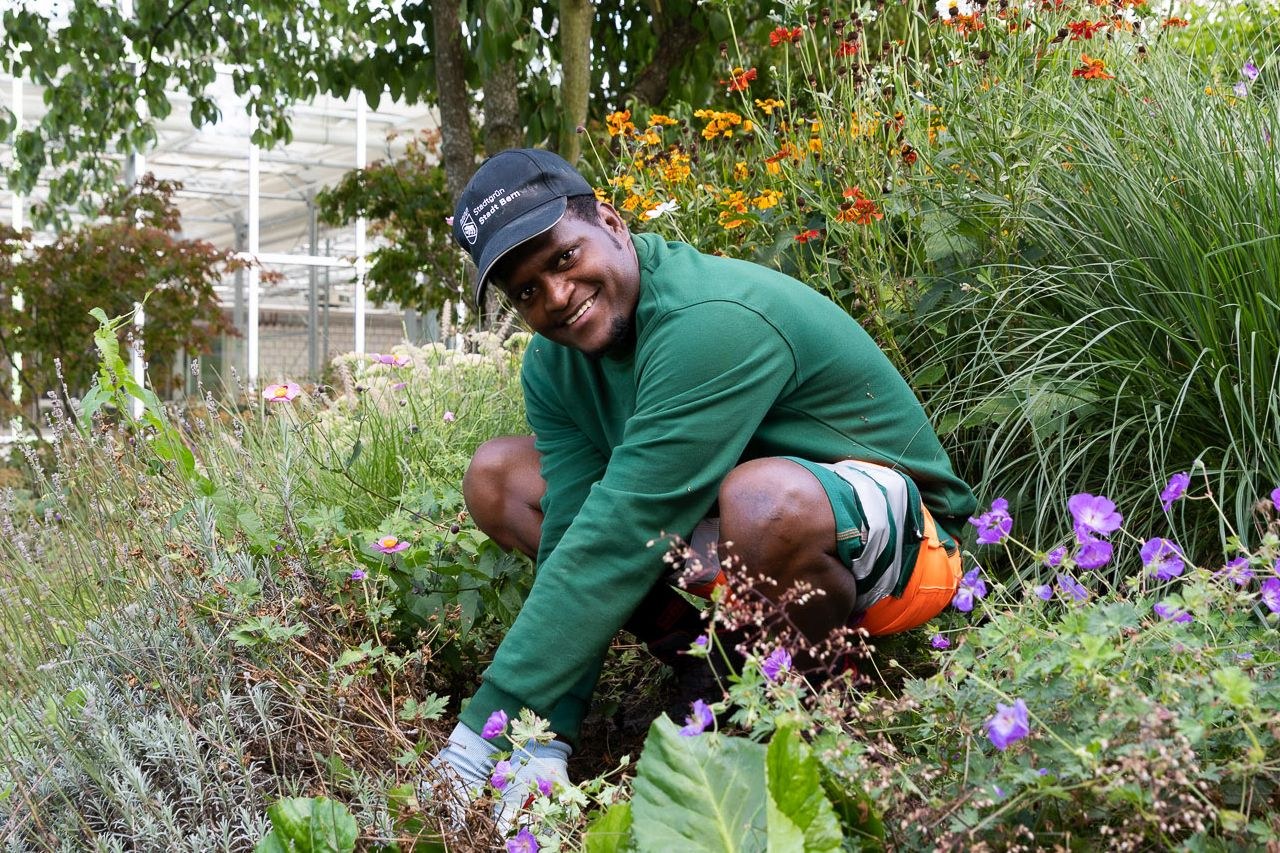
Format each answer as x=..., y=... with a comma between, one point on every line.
x=611, y=219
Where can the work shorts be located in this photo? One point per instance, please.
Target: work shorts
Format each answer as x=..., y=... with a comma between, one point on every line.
x=906, y=568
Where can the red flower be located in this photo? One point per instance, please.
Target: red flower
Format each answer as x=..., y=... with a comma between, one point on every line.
x=1085, y=29
x=1175, y=22
x=909, y=155
x=781, y=35
x=806, y=236
x=847, y=48
x=740, y=80
x=861, y=210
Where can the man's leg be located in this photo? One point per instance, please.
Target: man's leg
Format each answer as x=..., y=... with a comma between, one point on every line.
x=503, y=488
x=776, y=518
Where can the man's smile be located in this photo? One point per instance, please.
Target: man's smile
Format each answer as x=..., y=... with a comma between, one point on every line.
x=582, y=309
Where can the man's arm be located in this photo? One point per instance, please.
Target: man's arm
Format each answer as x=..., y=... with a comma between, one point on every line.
x=709, y=375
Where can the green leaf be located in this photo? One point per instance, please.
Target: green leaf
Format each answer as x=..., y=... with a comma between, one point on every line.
x=856, y=810
x=311, y=825
x=800, y=818
x=1235, y=685
x=610, y=832
x=701, y=793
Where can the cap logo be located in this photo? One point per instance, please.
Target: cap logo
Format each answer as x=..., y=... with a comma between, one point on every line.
x=469, y=229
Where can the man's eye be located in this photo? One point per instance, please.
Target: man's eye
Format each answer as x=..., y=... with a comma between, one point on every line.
x=567, y=256
x=525, y=293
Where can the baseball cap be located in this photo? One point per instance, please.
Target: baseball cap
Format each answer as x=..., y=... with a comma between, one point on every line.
x=513, y=197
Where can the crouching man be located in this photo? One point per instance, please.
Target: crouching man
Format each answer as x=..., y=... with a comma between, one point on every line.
x=672, y=391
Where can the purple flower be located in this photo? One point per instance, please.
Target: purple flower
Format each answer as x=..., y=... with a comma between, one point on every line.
x=697, y=722
x=1072, y=587
x=545, y=788
x=1055, y=557
x=1275, y=498
x=778, y=662
x=1237, y=571
x=358, y=575
x=1250, y=71
x=1010, y=724
x=1241, y=89
x=1044, y=592
x=1271, y=594
x=971, y=589
x=1171, y=612
x=702, y=641
x=1176, y=487
x=495, y=725
x=524, y=842
x=939, y=642
x=503, y=772
x=994, y=524
x=1162, y=558
x=1093, y=554
x=1093, y=515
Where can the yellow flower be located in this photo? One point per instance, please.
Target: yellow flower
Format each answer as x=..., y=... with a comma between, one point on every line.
x=740, y=172
x=633, y=202
x=620, y=123
x=651, y=137
x=626, y=182
x=736, y=200
x=815, y=145
x=769, y=105
x=730, y=220
x=720, y=124
x=659, y=119
x=767, y=199
x=601, y=195
x=771, y=166
x=674, y=168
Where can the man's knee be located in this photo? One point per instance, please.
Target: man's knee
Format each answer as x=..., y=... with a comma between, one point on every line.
x=498, y=469
x=774, y=496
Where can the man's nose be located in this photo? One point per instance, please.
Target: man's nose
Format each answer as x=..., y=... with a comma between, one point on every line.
x=559, y=291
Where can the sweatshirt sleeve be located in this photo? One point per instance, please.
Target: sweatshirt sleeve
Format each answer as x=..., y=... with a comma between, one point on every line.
x=706, y=376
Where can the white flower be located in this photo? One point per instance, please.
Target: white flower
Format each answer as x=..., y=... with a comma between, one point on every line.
x=667, y=206
x=962, y=7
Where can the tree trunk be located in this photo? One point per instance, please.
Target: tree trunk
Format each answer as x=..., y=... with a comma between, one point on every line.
x=501, y=110
x=679, y=38
x=456, y=147
x=576, y=17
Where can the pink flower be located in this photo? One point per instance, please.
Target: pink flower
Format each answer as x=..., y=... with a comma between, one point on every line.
x=281, y=392
x=393, y=360
x=389, y=545
x=449, y=417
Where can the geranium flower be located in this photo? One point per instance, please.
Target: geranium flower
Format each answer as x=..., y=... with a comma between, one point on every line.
x=972, y=588
x=495, y=725
x=1271, y=594
x=1240, y=89
x=1250, y=71
x=1092, y=68
x=939, y=642
x=1275, y=498
x=1162, y=558
x=1237, y=571
x=1093, y=514
x=358, y=575
x=1009, y=725
x=503, y=772
x=283, y=392
x=523, y=842
x=1073, y=588
x=1176, y=487
x=1044, y=592
x=778, y=662
x=1171, y=612
x=782, y=35
x=545, y=786
x=696, y=723
x=806, y=236
x=1094, y=554
x=994, y=524
x=389, y=545
x=1055, y=557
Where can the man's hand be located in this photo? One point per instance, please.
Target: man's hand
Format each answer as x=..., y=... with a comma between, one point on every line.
x=536, y=768
x=464, y=767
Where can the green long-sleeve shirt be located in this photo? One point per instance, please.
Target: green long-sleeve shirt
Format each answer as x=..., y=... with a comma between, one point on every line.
x=732, y=361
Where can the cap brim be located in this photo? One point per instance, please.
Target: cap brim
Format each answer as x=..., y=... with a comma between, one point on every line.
x=516, y=232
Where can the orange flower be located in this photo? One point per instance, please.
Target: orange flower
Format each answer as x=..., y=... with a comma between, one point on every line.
x=1175, y=22
x=620, y=123
x=965, y=24
x=659, y=119
x=1085, y=29
x=769, y=105
x=862, y=212
x=847, y=48
x=806, y=236
x=782, y=35
x=740, y=80
x=1092, y=68
x=730, y=220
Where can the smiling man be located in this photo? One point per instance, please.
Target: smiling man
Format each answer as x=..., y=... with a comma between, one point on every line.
x=675, y=392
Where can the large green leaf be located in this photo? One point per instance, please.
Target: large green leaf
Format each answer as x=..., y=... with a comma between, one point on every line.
x=700, y=793
x=800, y=817
x=611, y=831
x=309, y=825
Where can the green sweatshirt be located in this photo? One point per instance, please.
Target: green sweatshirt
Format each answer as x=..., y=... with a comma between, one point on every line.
x=732, y=361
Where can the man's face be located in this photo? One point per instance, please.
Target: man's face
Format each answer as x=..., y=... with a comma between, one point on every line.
x=577, y=284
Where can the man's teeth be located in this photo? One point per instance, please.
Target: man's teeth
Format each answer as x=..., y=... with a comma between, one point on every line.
x=580, y=311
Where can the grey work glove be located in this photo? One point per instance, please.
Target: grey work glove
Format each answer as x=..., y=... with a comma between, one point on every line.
x=464, y=767
x=536, y=768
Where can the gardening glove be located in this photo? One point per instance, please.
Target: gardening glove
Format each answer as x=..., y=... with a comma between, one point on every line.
x=464, y=767
x=537, y=768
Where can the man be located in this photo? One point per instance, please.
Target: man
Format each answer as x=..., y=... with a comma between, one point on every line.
x=665, y=386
